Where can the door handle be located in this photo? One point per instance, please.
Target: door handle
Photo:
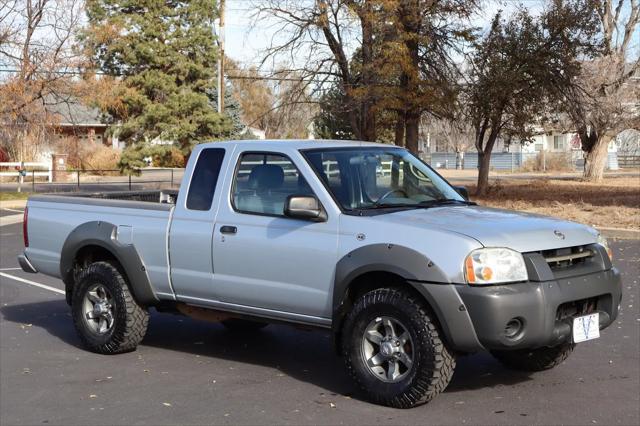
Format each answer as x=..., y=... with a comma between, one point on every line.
x=228, y=229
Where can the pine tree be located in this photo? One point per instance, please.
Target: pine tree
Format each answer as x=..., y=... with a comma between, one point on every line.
x=164, y=53
x=232, y=110
x=331, y=121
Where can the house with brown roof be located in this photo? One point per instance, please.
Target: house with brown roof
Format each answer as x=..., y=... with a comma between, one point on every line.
x=73, y=119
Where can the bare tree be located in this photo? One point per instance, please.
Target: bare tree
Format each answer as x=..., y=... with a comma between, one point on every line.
x=454, y=134
x=317, y=36
x=7, y=16
x=515, y=69
x=282, y=107
x=36, y=44
x=603, y=100
x=386, y=55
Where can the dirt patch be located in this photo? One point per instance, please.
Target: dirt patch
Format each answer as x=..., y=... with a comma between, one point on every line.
x=615, y=202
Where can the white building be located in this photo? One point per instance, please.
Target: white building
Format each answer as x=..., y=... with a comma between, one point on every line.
x=549, y=142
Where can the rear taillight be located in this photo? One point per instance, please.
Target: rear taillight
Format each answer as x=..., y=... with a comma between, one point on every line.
x=25, y=225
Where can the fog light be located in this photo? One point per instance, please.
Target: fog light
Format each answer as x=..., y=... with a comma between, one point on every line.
x=513, y=328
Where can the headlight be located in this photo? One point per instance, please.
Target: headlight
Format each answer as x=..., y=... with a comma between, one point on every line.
x=603, y=242
x=494, y=265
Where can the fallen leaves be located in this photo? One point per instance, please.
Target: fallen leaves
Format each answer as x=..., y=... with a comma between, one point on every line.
x=572, y=199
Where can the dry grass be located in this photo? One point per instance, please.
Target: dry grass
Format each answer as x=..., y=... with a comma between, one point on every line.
x=10, y=196
x=613, y=203
x=549, y=161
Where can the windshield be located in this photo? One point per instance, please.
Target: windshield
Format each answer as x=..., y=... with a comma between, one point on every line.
x=373, y=178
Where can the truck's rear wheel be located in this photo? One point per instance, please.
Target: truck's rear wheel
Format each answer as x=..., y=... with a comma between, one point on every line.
x=105, y=314
x=394, y=351
x=535, y=359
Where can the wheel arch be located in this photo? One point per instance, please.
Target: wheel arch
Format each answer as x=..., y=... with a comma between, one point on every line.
x=97, y=241
x=387, y=265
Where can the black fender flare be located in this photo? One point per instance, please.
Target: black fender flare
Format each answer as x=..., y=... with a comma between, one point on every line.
x=419, y=272
x=104, y=235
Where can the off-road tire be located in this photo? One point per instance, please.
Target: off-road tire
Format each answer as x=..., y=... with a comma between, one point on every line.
x=535, y=359
x=130, y=318
x=243, y=325
x=433, y=361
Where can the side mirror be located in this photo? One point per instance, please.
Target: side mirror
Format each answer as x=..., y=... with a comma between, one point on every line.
x=462, y=190
x=305, y=207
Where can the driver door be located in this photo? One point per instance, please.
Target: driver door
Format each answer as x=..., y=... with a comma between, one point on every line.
x=263, y=259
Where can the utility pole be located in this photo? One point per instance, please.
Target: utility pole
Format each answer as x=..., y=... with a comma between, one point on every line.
x=221, y=58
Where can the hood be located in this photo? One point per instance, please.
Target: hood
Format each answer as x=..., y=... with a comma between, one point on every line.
x=523, y=232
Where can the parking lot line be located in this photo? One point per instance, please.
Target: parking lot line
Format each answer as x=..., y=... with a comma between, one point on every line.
x=10, y=269
x=33, y=283
x=11, y=219
x=13, y=210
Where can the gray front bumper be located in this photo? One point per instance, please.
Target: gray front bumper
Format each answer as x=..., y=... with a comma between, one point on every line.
x=536, y=305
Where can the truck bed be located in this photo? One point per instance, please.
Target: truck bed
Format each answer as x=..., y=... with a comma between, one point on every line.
x=143, y=216
x=165, y=196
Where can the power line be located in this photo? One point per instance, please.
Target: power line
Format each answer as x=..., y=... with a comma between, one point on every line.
x=228, y=76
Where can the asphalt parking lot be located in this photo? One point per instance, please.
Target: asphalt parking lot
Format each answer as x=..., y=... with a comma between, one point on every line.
x=192, y=372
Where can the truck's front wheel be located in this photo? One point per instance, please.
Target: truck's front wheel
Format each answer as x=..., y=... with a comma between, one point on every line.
x=394, y=350
x=105, y=314
x=535, y=359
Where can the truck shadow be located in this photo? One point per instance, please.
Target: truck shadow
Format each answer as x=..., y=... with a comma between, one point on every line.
x=305, y=355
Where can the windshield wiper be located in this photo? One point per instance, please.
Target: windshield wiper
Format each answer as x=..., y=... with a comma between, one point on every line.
x=446, y=201
x=420, y=205
x=392, y=206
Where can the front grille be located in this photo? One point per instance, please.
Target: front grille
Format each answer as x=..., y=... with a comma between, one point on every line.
x=576, y=308
x=567, y=257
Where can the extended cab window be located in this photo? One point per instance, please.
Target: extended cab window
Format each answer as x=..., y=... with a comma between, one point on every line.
x=264, y=181
x=204, y=179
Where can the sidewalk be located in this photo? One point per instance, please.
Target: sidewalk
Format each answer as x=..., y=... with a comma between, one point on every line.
x=12, y=204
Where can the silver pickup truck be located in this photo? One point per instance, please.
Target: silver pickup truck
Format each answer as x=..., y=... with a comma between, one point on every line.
x=363, y=239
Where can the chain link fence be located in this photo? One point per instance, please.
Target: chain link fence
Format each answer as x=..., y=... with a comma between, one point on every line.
x=93, y=180
x=522, y=161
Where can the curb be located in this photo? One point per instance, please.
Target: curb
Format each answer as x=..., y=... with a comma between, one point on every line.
x=620, y=233
x=12, y=204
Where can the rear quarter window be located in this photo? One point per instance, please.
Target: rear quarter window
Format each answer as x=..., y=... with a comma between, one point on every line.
x=263, y=182
x=204, y=179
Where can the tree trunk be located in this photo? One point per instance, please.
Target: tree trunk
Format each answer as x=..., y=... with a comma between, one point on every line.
x=355, y=123
x=411, y=136
x=368, y=123
x=410, y=20
x=459, y=160
x=399, y=141
x=367, y=116
x=484, y=158
x=399, y=131
x=596, y=160
x=484, y=163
